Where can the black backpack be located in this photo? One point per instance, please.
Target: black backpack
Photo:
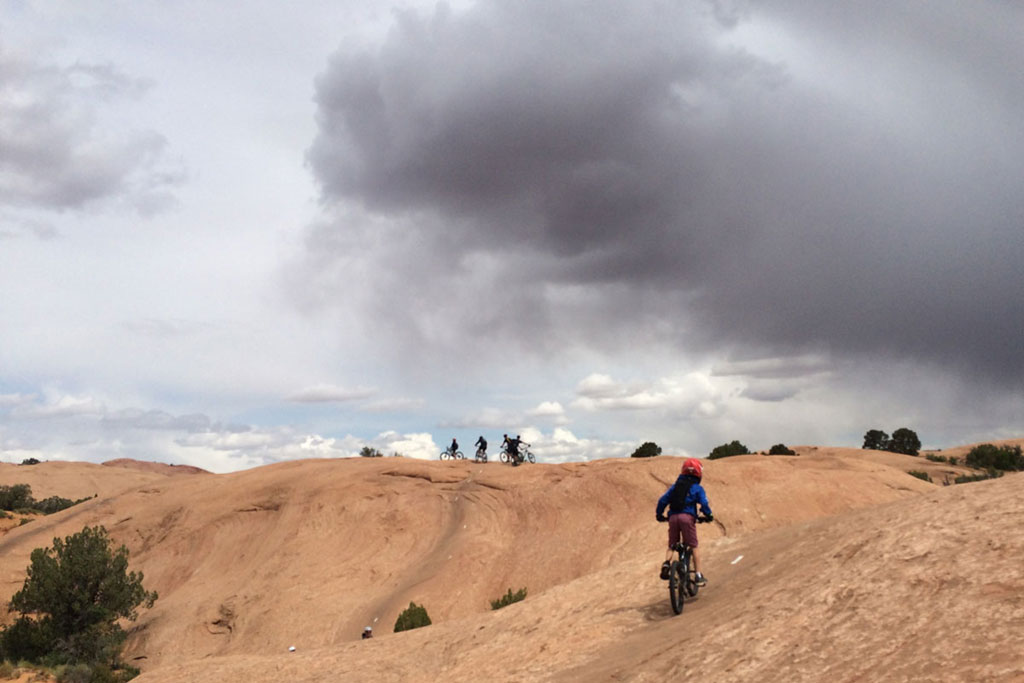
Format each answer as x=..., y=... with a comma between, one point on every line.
x=679, y=494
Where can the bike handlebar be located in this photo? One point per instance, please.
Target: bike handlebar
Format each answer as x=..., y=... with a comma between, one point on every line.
x=699, y=519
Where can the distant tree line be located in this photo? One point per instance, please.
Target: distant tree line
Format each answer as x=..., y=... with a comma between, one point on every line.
x=903, y=440
x=18, y=498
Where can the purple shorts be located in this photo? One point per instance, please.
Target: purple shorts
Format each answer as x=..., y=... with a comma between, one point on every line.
x=682, y=525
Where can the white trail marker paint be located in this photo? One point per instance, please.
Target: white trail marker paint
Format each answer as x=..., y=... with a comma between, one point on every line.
x=740, y=557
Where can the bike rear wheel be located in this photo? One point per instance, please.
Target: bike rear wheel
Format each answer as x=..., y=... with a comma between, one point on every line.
x=675, y=587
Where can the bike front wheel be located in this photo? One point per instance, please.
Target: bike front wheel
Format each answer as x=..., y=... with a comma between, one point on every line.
x=529, y=456
x=503, y=457
x=675, y=588
x=691, y=577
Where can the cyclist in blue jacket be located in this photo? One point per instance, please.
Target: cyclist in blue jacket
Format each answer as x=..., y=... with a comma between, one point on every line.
x=682, y=499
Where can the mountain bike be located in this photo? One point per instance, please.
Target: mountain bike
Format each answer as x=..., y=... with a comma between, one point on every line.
x=447, y=454
x=524, y=456
x=682, y=576
x=481, y=455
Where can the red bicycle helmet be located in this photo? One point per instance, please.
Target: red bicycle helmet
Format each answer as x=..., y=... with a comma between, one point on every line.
x=693, y=467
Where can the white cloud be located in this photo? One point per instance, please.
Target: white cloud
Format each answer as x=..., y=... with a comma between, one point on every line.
x=418, y=445
x=59, y=406
x=561, y=445
x=552, y=409
x=684, y=394
x=330, y=393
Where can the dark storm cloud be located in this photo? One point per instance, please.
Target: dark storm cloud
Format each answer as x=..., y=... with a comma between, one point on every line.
x=56, y=149
x=788, y=176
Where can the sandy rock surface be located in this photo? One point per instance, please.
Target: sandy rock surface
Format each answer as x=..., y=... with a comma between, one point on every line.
x=831, y=564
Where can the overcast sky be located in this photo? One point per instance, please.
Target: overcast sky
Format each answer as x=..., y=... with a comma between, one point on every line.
x=234, y=236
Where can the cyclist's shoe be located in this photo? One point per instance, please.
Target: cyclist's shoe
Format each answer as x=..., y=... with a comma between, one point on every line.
x=701, y=581
x=665, y=569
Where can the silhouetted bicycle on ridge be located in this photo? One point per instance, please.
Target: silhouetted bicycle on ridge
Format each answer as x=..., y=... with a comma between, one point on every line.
x=525, y=455
x=447, y=454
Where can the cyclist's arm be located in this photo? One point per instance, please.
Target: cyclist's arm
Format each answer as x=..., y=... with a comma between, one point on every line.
x=665, y=498
x=702, y=499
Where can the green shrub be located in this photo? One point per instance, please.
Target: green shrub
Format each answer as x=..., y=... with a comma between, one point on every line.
x=95, y=673
x=728, y=449
x=26, y=640
x=508, y=598
x=29, y=461
x=781, y=449
x=15, y=497
x=75, y=673
x=18, y=498
x=53, y=504
x=953, y=460
x=647, y=449
x=413, y=616
x=968, y=478
x=936, y=458
x=1005, y=458
x=73, y=597
x=920, y=475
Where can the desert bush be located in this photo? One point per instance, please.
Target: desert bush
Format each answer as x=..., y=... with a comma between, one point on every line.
x=968, y=478
x=53, y=504
x=413, y=616
x=72, y=599
x=75, y=673
x=368, y=452
x=95, y=673
x=728, y=449
x=936, y=458
x=30, y=461
x=508, y=598
x=920, y=475
x=988, y=456
x=16, y=497
x=648, y=449
x=781, y=449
